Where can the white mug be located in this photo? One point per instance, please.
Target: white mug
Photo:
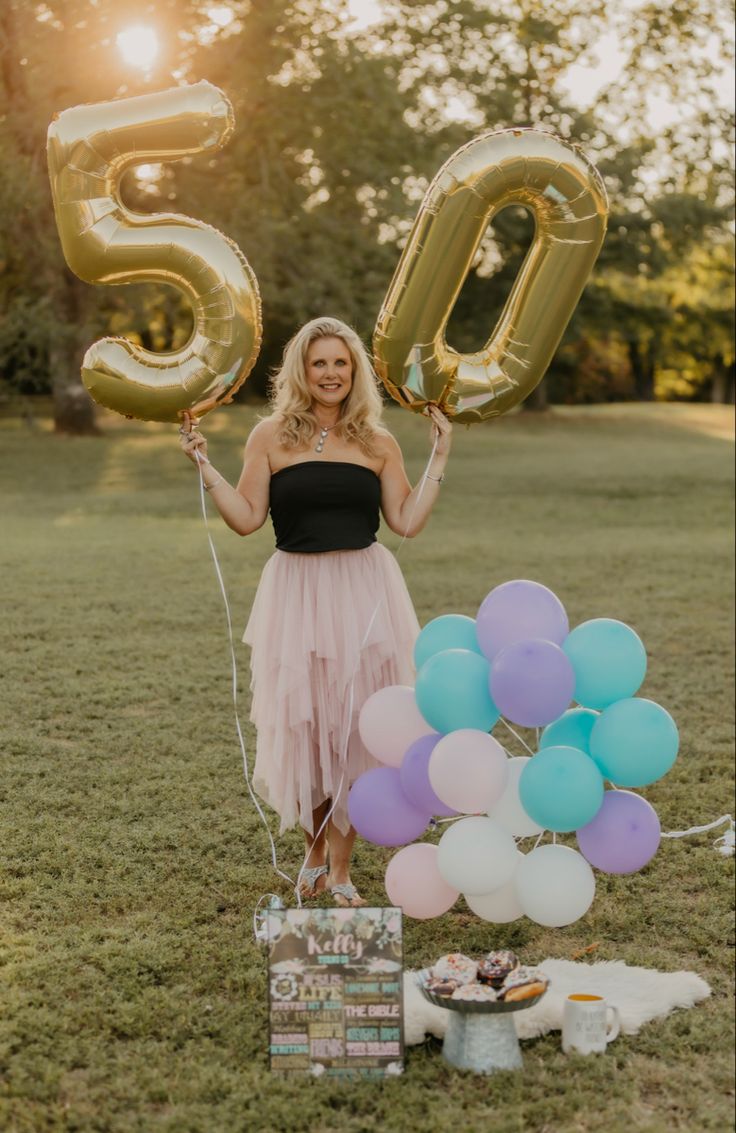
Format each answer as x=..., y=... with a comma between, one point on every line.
x=588, y=1024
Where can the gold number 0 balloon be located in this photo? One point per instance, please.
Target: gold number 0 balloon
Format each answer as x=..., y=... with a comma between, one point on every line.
x=567, y=198
x=89, y=148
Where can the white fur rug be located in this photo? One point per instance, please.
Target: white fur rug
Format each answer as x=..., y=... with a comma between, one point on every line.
x=640, y=994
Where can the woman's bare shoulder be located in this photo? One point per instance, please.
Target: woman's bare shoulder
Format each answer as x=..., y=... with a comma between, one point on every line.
x=386, y=445
x=263, y=433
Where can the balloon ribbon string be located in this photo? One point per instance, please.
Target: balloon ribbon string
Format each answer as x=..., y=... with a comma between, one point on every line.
x=234, y=669
x=516, y=734
x=726, y=840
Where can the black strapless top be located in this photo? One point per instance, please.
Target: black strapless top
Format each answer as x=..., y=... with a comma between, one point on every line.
x=324, y=505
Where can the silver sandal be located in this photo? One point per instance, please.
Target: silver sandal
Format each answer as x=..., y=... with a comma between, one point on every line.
x=346, y=890
x=310, y=877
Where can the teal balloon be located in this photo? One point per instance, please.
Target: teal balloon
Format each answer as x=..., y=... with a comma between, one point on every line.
x=452, y=692
x=561, y=789
x=609, y=660
x=571, y=730
x=634, y=742
x=449, y=631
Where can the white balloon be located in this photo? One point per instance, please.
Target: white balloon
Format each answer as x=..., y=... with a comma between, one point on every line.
x=555, y=885
x=476, y=855
x=390, y=722
x=468, y=770
x=508, y=811
x=502, y=905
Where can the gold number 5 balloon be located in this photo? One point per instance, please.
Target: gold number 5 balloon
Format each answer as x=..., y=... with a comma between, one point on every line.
x=566, y=196
x=89, y=148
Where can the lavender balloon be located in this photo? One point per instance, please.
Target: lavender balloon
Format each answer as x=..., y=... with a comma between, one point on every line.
x=380, y=811
x=623, y=836
x=519, y=611
x=414, y=775
x=532, y=682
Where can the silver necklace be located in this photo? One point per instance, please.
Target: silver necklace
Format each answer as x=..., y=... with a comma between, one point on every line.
x=323, y=431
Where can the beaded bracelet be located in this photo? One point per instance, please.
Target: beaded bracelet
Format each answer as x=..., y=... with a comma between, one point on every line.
x=209, y=487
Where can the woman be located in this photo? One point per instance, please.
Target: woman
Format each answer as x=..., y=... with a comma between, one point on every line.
x=332, y=621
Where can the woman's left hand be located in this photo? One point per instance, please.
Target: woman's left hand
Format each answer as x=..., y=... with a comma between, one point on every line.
x=193, y=444
x=441, y=430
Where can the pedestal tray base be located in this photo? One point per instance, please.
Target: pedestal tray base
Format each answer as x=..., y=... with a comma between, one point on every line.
x=480, y=1036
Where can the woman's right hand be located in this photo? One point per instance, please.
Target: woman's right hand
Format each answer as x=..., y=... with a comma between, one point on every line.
x=192, y=442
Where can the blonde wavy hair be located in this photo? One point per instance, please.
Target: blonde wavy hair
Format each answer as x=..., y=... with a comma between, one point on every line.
x=291, y=401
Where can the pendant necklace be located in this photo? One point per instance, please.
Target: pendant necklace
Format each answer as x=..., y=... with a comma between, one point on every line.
x=323, y=431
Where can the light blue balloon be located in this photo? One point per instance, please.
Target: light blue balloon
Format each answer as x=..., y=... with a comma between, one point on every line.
x=452, y=692
x=571, y=730
x=561, y=788
x=609, y=660
x=634, y=742
x=449, y=631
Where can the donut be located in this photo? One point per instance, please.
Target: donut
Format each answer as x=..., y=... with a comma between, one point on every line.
x=521, y=978
x=475, y=993
x=495, y=967
x=523, y=991
x=456, y=966
x=441, y=985
x=522, y=975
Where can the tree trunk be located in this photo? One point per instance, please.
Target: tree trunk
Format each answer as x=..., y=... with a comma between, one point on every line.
x=537, y=401
x=74, y=410
x=643, y=369
x=723, y=389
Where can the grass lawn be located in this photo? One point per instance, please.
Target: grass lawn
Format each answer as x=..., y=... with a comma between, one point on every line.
x=134, y=997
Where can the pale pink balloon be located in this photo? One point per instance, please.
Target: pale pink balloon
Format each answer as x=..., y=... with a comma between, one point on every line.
x=468, y=770
x=390, y=722
x=414, y=884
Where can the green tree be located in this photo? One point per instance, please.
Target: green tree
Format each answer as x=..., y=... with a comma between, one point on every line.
x=337, y=135
x=492, y=65
x=315, y=171
x=315, y=167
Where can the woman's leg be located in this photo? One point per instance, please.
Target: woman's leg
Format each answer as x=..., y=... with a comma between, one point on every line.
x=341, y=848
x=316, y=849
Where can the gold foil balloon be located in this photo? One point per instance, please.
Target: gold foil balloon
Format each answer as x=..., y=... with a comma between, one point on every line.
x=89, y=149
x=566, y=196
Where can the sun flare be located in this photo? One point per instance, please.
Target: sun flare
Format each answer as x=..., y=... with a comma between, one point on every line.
x=220, y=15
x=138, y=46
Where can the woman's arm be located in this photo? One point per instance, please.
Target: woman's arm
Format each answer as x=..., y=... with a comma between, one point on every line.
x=403, y=514
x=245, y=508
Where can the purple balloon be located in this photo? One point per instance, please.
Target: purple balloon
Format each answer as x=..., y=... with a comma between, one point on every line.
x=623, y=836
x=414, y=775
x=519, y=611
x=532, y=682
x=380, y=811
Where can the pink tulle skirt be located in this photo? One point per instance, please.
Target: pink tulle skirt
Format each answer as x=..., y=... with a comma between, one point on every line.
x=326, y=631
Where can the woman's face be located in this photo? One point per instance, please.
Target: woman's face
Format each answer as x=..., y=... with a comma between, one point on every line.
x=329, y=371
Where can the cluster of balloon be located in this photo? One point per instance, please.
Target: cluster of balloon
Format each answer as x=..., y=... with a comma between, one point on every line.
x=518, y=659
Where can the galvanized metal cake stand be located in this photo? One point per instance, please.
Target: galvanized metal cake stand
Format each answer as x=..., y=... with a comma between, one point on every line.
x=479, y=1036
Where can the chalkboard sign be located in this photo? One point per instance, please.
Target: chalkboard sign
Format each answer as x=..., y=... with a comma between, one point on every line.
x=335, y=990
